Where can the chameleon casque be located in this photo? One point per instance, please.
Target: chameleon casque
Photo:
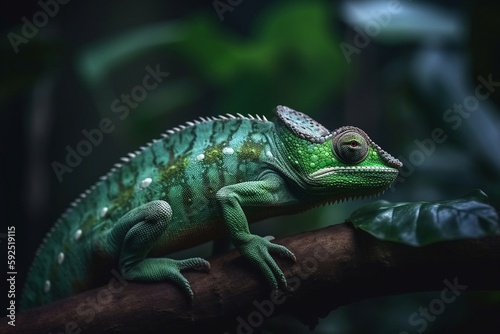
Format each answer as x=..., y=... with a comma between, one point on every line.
x=199, y=182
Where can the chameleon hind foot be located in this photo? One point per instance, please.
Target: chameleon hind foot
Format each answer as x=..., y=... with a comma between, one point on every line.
x=164, y=269
x=133, y=237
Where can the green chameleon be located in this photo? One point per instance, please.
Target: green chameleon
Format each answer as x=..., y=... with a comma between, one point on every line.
x=201, y=181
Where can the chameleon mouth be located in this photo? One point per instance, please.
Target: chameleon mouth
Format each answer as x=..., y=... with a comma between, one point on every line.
x=348, y=169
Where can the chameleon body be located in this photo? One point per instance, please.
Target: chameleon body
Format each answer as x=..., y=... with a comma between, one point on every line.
x=209, y=178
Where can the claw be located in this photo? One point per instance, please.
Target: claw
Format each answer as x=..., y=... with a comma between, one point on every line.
x=283, y=251
x=164, y=269
x=195, y=263
x=257, y=250
x=182, y=283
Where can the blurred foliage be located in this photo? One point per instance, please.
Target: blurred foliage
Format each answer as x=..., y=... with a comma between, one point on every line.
x=19, y=72
x=249, y=74
x=280, y=57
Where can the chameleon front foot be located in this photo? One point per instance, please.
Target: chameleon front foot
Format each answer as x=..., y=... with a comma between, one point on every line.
x=258, y=251
x=163, y=269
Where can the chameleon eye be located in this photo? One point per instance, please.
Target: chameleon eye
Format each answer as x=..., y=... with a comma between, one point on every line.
x=350, y=147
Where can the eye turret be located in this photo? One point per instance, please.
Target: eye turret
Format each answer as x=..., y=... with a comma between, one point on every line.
x=350, y=147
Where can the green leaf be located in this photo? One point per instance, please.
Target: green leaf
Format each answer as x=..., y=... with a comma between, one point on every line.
x=423, y=223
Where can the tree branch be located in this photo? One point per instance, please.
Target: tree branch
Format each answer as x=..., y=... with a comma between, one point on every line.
x=335, y=266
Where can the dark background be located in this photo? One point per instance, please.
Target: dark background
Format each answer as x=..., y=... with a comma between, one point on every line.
x=398, y=87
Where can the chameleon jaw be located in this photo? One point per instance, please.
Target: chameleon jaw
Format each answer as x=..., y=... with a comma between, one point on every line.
x=334, y=170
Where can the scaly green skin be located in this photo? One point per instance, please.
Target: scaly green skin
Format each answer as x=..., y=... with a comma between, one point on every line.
x=199, y=182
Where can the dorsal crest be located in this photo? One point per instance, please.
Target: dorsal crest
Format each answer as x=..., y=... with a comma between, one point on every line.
x=302, y=125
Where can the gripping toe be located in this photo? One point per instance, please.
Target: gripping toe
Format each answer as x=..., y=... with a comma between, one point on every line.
x=257, y=250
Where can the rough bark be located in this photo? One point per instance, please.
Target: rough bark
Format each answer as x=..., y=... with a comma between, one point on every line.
x=335, y=266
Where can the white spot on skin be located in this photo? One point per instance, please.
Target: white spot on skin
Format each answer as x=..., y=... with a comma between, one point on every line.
x=60, y=258
x=269, y=154
x=103, y=212
x=78, y=234
x=46, y=286
x=146, y=182
x=200, y=157
x=227, y=150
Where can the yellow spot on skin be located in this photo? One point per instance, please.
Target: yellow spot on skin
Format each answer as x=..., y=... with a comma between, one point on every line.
x=88, y=223
x=123, y=198
x=213, y=153
x=173, y=169
x=250, y=150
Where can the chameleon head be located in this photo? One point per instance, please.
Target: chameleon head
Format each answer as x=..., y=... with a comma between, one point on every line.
x=340, y=164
